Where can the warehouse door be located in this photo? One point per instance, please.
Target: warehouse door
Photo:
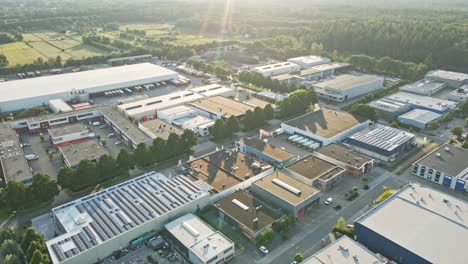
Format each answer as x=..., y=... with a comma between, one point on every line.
x=460, y=185
x=447, y=180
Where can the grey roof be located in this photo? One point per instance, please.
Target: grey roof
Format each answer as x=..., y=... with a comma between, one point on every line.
x=14, y=164
x=342, y=251
x=125, y=125
x=383, y=137
x=343, y=154
x=67, y=130
x=108, y=77
x=423, y=116
x=452, y=162
x=449, y=75
x=76, y=152
x=402, y=99
x=429, y=223
x=347, y=81
x=107, y=214
x=423, y=87
x=272, y=95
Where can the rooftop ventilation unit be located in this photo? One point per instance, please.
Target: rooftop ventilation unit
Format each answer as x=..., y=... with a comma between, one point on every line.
x=190, y=229
x=240, y=204
x=286, y=186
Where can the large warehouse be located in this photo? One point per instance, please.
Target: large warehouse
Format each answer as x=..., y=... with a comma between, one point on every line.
x=382, y=142
x=347, y=86
x=417, y=225
x=199, y=241
x=452, y=79
x=446, y=165
x=309, y=61
x=96, y=225
x=418, y=118
x=423, y=87
x=277, y=69
x=20, y=94
x=325, y=126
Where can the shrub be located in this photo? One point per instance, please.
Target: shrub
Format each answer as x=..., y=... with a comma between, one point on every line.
x=366, y=187
x=385, y=194
x=298, y=257
x=365, y=179
x=337, y=207
x=355, y=189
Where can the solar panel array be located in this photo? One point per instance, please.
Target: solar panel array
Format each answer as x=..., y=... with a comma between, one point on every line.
x=383, y=137
x=121, y=208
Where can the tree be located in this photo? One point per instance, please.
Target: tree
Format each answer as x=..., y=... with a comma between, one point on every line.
x=269, y=112
x=265, y=237
x=7, y=233
x=17, y=195
x=9, y=247
x=249, y=120
x=189, y=139
x=298, y=257
x=447, y=117
x=259, y=117
x=463, y=108
x=141, y=155
x=42, y=137
x=125, y=160
x=365, y=111
x=457, y=131
x=107, y=166
x=232, y=124
x=39, y=258
x=465, y=144
x=34, y=247
x=219, y=129
x=66, y=176
x=433, y=125
x=43, y=188
x=86, y=171
x=3, y=60
x=104, y=143
x=12, y=259
x=342, y=228
x=28, y=237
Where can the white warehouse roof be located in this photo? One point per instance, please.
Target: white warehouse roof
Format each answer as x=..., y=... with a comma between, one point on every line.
x=422, y=116
x=87, y=81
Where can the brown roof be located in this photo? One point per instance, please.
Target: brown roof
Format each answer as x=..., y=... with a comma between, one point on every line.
x=212, y=175
x=343, y=154
x=312, y=167
x=236, y=163
x=223, y=106
x=268, y=184
x=255, y=102
x=326, y=123
x=270, y=150
x=160, y=128
x=256, y=209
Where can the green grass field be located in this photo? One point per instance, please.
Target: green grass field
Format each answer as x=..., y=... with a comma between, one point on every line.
x=20, y=53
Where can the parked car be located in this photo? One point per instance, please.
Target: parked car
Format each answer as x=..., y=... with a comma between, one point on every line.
x=264, y=250
x=118, y=143
x=328, y=201
x=111, y=135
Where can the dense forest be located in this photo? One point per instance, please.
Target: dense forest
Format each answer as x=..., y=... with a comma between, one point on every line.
x=433, y=32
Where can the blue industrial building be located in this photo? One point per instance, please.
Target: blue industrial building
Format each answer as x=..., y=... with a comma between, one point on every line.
x=416, y=225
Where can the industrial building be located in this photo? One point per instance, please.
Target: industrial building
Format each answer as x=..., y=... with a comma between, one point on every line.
x=277, y=69
x=417, y=224
x=94, y=226
x=59, y=106
x=214, y=90
x=325, y=126
x=221, y=170
x=354, y=163
x=316, y=172
x=452, y=79
x=423, y=87
x=419, y=118
x=286, y=192
x=344, y=250
x=148, y=108
x=446, y=165
x=271, y=96
x=14, y=166
x=382, y=142
x=309, y=61
x=173, y=113
x=313, y=73
x=255, y=102
x=200, y=243
x=251, y=215
x=187, y=118
x=27, y=93
x=347, y=86
x=158, y=128
x=459, y=94
x=68, y=134
x=218, y=107
x=130, y=60
x=73, y=154
x=268, y=153
x=402, y=102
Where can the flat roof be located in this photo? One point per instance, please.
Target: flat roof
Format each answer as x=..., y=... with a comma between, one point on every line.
x=274, y=66
x=325, y=122
x=383, y=137
x=421, y=100
x=199, y=237
x=130, y=57
x=342, y=251
x=453, y=161
x=275, y=184
x=450, y=75
x=462, y=91
x=272, y=95
x=177, y=110
x=67, y=130
x=222, y=106
x=211, y=89
x=246, y=209
x=344, y=154
x=209, y=173
x=107, y=214
x=60, y=105
x=324, y=67
x=313, y=167
x=85, y=80
x=427, y=222
x=255, y=102
x=310, y=59
x=14, y=164
x=125, y=125
x=88, y=149
x=150, y=105
x=192, y=122
x=422, y=87
x=268, y=149
x=347, y=81
x=158, y=128
x=419, y=115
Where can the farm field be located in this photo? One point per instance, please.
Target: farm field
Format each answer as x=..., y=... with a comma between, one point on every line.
x=20, y=53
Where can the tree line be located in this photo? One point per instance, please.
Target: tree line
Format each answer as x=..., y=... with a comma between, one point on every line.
x=297, y=102
x=89, y=173
x=29, y=244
